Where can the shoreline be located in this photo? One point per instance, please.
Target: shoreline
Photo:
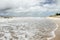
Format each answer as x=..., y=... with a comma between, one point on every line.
x=55, y=20
x=57, y=32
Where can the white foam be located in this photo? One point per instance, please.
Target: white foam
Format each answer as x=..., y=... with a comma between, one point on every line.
x=28, y=28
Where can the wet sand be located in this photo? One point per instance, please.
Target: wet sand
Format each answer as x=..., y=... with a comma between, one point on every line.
x=57, y=32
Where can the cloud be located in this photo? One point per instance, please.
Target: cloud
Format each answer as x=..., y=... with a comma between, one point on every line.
x=16, y=3
x=28, y=7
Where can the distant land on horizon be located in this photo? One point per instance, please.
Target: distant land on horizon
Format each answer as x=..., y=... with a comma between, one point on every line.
x=56, y=15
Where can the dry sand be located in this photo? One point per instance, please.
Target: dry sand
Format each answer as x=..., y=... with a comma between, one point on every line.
x=57, y=32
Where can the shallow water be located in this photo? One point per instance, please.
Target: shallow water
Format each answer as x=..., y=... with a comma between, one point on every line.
x=27, y=28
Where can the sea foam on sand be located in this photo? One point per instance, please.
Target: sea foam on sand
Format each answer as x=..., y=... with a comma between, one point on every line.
x=27, y=28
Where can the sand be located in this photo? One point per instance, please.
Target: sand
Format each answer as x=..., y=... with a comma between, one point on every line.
x=57, y=32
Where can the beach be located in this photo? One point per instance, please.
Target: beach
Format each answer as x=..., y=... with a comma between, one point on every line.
x=16, y=20
x=57, y=32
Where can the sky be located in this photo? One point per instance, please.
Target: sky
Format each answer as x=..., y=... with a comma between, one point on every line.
x=27, y=8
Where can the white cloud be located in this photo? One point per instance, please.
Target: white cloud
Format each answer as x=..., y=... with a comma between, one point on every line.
x=28, y=6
